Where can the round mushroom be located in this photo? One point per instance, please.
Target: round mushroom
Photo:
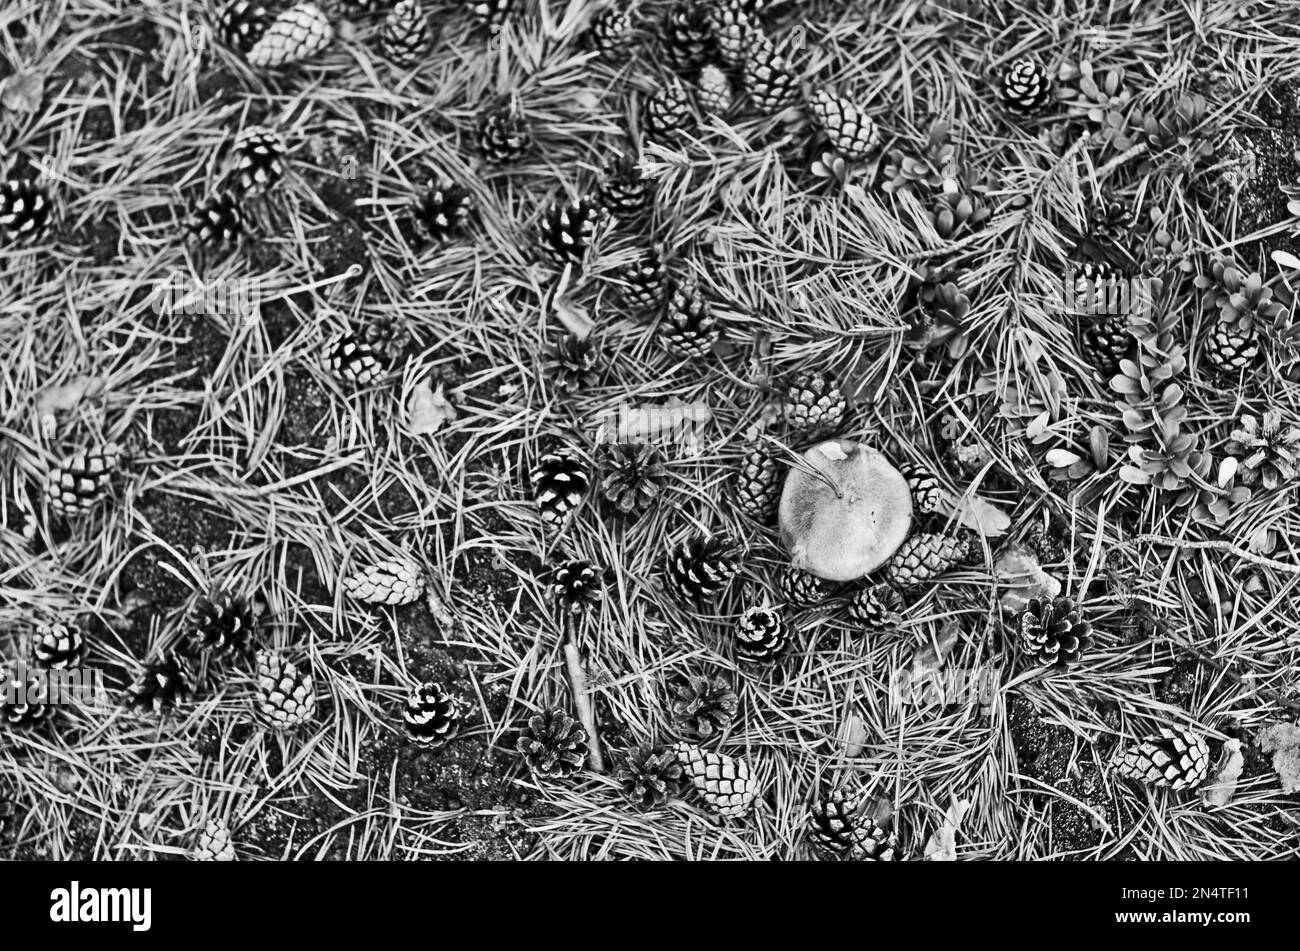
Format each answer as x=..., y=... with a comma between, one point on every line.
x=844, y=512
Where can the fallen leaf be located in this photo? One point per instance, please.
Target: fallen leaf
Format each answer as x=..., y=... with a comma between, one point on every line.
x=983, y=516
x=66, y=396
x=1061, y=458
x=853, y=736
x=22, y=93
x=1018, y=570
x=1283, y=741
x=942, y=846
x=1223, y=782
x=428, y=410
x=575, y=318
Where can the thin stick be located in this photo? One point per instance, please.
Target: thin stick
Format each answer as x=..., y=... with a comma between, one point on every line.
x=1218, y=546
x=582, y=699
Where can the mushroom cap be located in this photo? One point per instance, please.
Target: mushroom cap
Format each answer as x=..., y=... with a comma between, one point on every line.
x=844, y=534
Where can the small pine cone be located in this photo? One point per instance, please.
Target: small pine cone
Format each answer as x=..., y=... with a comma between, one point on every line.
x=702, y=706
x=490, y=13
x=1231, y=350
x=762, y=635
x=24, y=209
x=503, y=133
x=758, y=484
x=876, y=607
x=624, y=189
x=814, y=404
x=218, y=221
x=731, y=27
x=800, y=589
x=649, y=777
x=1104, y=340
x=392, y=581
x=839, y=826
x=559, y=481
x=432, y=716
x=1025, y=86
x=258, y=161
x=632, y=475
x=699, y=568
x=686, y=35
x=80, y=481
x=223, y=623
x=286, y=697
x=442, y=210
x=574, y=364
x=553, y=745
x=771, y=83
x=714, y=90
x=352, y=360
x=611, y=35
x=566, y=230
x=927, y=493
x=59, y=646
x=576, y=586
x=723, y=782
x=688, y=328
x=405, y=37
x=299, y=32
x=23, y=697
x=213, y=843
x=163, y=683
x=242, y=23
x=853, y=133
x=667, y=112
x=1110, y=220
x=1178, y=759
x=1053, y=632
x=925, y=556
x=643, y=282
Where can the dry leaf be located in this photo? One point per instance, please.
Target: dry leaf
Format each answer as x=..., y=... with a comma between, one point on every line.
x=1283, y=741
x=427, y=410
x=1223, y=783
x=22, y=93
x=983, y=516
x=575, y=318
x=1018, y=570
x=942, y=846
x=1062, y=458
x=65, y=397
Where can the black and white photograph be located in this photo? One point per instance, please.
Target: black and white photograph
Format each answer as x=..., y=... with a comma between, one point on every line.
x=844, y=433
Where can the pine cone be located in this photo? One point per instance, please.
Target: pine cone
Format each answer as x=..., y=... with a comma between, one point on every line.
x=392, y=581
x=1053, y=632
x=688, y=328
x=223, y=623
x=491, y=13
x=702, y=706
x=667, y=112
x=574, y=364
x=925, y=556
x=1026, y=87
x=649, y=777
x=503, y=133
x=24, y=209
x=352, y=360
x=242, y=23
x=643, y=282
x=576, y=586
x=566, y=231
x=1178, y=759
x=800, y=589
x=59, y=646
x=814, y=405
x=218, y=221
x=758, y=484
x=299, y=32
x=851, y=131
x=686, y=35
x=405, y=37
x=432, y=716
x=1110, y=221
x=258, y=161
x=164, y=683
x=23, y=697
x=1267, y=450
x=731, y=28
x=553, y=745
x=713, y=89
x=840, y=826
x=442, y=210
x=699, y=568
x=927, y=493
x=632, y=475
x=611, y=35
x=769, y=79
x=762, y=635
x=624, y=190
x=213, y=843
x=560, y=481
x=876, y=607
x=285, y=696
x=723, y=782
x=1103, y=336
x=80, y=481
